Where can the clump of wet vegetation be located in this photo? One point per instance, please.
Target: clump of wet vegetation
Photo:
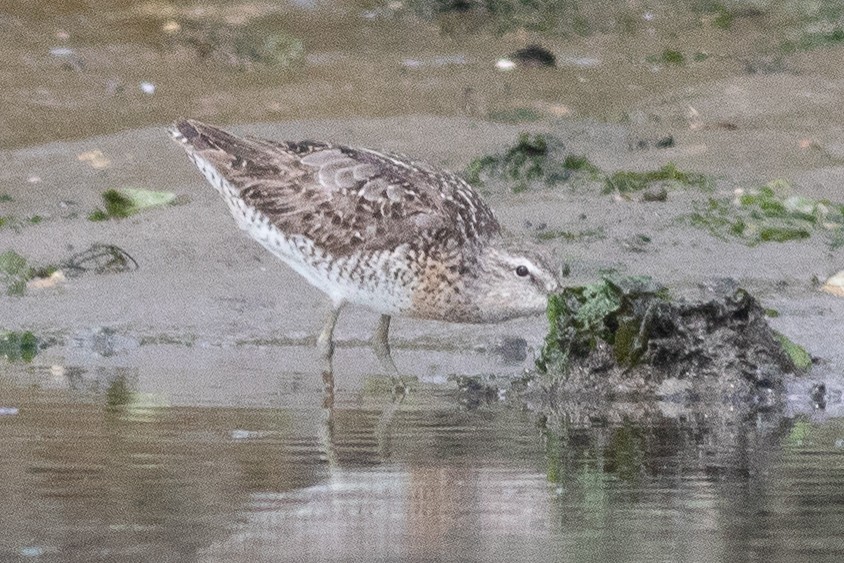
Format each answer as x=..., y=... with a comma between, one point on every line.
x=5, y=220
x=628, y=336
x=534, y=158
x=723, y=16
x=668, y=57
x=15, y=223
x=625, y=348
x=809, y=40
x=15, y=272
x=772, y=213
x=541, y=159
x=16, y=346
x=124, y=202
x=625, y=182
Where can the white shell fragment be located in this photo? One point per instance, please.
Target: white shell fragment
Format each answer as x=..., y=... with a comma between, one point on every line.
x=835, y=284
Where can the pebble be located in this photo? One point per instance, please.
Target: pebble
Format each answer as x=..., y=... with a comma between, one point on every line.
x=505, y=64
x=835, y=284
x=61, y=52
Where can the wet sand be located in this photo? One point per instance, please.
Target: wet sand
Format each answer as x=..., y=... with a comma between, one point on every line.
x=201, y=283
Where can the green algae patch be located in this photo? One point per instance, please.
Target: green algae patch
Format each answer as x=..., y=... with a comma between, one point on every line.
x=814, y=40
x=797, y=353
x=668, y=57
x=17, y=223
x=532, y=159
x=624, y=182
x=772, y=213
x=723, y=17
x=605, y=312
x=14, y=273
x=627, y=335
x=124, y=202
x=5, y=197
x=15, y=346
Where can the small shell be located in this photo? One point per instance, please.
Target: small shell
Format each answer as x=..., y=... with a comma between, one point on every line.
x=835, y=284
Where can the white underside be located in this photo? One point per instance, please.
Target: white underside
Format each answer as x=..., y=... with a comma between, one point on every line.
x=375, y=291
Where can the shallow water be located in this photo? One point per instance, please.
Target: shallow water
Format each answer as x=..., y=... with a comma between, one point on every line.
x=174, y=414
x=95, y=467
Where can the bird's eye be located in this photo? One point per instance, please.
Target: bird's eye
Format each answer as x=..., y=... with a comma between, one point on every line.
x=522, y=271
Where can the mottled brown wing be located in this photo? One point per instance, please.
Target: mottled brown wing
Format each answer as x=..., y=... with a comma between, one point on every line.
x=345, y=199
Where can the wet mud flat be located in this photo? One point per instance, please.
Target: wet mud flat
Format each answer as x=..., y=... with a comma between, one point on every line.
x=187, y=280
x=197, y=355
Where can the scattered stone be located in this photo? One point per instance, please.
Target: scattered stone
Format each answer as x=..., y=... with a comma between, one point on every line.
x=657, y=143
x=505, y=64
x=171, y=27
x=475, y=391
x=655, y=193
x=835, y=284
x=512, y=349
x=95, y=159
x=534, y=56
x=53, y=280
x=637, y=243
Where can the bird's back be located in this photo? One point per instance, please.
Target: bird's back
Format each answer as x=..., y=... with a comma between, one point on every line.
x=344, y=199
x=363, y=226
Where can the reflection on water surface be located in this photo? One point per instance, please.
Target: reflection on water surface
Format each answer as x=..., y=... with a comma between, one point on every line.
x=94, y=469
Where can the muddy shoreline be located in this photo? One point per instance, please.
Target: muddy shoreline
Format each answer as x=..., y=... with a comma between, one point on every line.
x=201, y=283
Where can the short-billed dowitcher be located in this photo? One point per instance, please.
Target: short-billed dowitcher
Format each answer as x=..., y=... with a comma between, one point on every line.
x=373, y=228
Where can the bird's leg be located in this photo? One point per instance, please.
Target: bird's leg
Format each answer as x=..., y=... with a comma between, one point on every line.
x=325, y=340
x=381, y=345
